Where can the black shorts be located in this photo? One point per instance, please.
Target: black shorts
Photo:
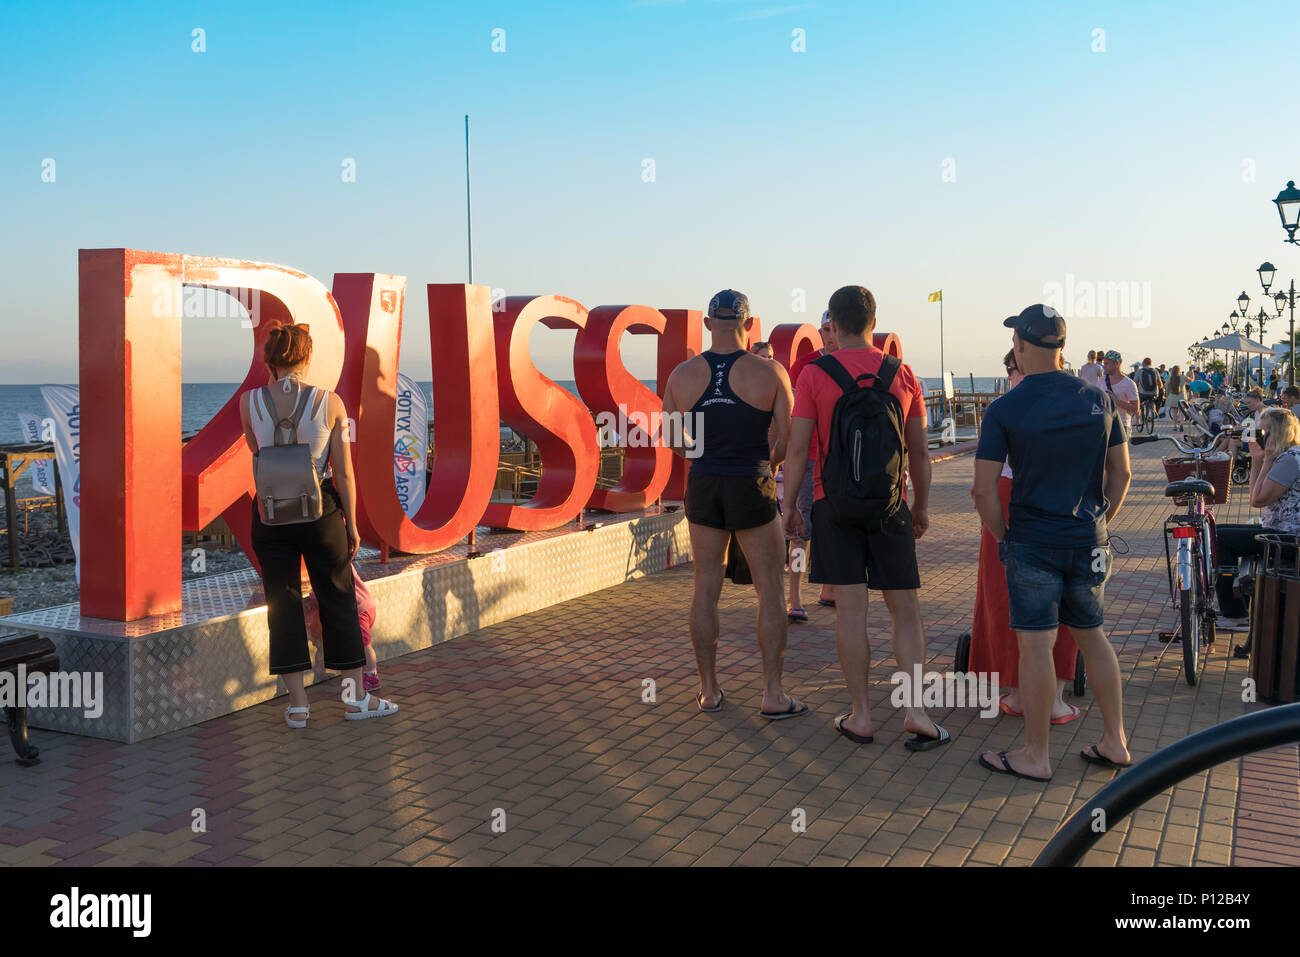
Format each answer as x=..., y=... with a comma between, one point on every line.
x=885, y=559
x=730, y=502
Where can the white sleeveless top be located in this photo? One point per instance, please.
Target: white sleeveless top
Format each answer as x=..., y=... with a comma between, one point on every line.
x=313, y=430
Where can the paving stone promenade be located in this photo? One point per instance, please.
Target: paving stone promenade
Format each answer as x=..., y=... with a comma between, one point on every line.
x=542, y=717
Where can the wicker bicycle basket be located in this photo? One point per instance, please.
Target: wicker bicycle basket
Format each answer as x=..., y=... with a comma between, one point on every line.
x=1218, y=472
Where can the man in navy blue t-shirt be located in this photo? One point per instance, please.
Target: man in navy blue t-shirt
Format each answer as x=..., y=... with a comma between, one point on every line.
x=1069, y=459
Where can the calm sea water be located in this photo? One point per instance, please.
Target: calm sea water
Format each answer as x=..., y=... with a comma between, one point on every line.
x=202, y=400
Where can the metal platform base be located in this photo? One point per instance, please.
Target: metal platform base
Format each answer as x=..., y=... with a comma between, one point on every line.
x=211, y=657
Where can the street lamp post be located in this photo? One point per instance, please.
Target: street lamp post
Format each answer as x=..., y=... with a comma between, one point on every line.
x=1288, y=208
x=1283, y=299
x=1290, y=303
x=1261, y=319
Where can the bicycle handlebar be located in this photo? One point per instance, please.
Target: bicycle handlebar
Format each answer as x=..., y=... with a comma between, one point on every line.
x=1183, y=447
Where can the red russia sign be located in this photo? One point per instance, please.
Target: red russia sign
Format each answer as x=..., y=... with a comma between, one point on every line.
x=141, y=490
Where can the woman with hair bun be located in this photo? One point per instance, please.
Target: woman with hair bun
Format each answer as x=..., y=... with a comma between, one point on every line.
x=326, y=544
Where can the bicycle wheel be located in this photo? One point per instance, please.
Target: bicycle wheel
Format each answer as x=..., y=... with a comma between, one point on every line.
x=1191, y=634
x=961, y=659
x=1080, y=675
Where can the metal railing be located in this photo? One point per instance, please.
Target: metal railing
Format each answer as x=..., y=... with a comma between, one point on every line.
x=511, y=475
x=966, y=411
x=1164, y=769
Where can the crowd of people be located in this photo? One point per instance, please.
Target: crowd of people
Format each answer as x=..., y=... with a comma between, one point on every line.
x=847, y=425
x=857, y=417
x=855, y=458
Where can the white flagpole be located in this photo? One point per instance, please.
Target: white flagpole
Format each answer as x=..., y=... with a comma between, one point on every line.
x=469, y=219
x=943, y=370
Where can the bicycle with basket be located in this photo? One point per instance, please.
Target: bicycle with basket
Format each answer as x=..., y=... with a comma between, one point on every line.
x=1195, y=481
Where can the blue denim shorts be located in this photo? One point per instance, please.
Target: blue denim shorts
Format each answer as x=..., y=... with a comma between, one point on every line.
x=1049, y=586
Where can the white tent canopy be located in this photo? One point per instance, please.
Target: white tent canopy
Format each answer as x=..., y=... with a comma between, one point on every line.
x=1234, y=342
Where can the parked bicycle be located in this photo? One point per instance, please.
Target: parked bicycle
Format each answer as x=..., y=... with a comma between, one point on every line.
x=1146, y=417
x=1192, y=562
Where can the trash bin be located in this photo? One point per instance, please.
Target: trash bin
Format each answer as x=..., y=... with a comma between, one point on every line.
x=1275, y=621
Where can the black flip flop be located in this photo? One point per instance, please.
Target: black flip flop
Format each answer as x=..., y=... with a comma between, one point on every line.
x=855, y=738
x=793, y=711
x=1102, y=760
x=1008, y=769
x=699, y=701
x=921, y=742
x=828, y=602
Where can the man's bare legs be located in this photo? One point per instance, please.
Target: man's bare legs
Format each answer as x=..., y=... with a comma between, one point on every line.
x=709, y=549
x=855, y=653
x=1038, y=688
x=1103, y=677
x=909, y=650
x=764, y=549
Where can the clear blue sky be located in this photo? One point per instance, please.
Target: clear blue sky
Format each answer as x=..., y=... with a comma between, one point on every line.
x=774, y=170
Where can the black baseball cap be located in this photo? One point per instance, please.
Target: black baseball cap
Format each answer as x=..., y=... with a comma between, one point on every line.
x=1039, y=325
x=730, y=301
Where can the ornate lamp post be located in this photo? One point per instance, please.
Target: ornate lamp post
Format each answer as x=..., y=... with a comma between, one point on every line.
x=1234, y=318
x=1261, y=318
x=1288, y=208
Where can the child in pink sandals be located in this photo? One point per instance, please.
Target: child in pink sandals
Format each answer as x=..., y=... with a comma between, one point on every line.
x=366, y=617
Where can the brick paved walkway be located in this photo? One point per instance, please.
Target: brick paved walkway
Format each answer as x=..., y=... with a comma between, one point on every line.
x=541, y=719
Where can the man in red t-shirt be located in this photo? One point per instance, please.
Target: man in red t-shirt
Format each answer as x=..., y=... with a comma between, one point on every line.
x=854, y=559
x=801, y=498
x=828, y=346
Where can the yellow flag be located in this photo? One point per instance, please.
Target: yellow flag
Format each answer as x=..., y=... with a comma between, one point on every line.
x=936, y=296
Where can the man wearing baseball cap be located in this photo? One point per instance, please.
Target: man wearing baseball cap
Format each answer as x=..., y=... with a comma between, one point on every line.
x=1069, y=457
x=731, y=397
x=1122, y=389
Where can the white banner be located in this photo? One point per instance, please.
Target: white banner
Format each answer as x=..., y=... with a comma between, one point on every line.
x=64, y=403
x=42, y=471
x=410, y=444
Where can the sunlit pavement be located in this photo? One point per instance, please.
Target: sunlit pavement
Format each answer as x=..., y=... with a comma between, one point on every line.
x=530, y=742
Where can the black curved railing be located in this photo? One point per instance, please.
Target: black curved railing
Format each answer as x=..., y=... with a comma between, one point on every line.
x=1164, y=769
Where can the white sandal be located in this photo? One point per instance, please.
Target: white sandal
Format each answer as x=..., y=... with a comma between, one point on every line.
x=291, y=722
x=384, y=710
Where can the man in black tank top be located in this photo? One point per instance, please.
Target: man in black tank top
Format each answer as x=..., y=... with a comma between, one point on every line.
x=727, y=400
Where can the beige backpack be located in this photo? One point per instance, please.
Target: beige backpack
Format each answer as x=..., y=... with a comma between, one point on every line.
x=288, y=486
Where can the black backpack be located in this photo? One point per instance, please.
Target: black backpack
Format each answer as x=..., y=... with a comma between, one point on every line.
x=1148, y=379
x=866, y=457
